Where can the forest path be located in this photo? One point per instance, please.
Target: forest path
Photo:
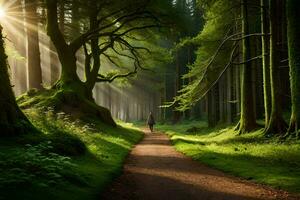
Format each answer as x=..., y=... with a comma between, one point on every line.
x=154, y=171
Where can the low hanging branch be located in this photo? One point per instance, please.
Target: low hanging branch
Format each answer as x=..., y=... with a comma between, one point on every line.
x=195, y=92
x=247, y=61
x=189, y=97
x=102, y=78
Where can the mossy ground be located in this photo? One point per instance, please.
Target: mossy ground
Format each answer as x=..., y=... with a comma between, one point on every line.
x=66, y=100
x=251, y=156
x=68, y=159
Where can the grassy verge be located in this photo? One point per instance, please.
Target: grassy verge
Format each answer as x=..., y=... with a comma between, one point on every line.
x=251, y=156
x=68, y=159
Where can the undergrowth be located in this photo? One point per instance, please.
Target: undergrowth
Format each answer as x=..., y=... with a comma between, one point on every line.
x=67, y=159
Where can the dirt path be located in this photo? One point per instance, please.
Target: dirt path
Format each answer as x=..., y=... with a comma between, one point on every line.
x=154, y=170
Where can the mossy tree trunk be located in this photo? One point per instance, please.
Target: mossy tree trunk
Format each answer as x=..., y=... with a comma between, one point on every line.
x=265, y=61
x=72, y=90
x=247, y=121
x=293, y=15
x=69, y=79
x=12, y=120
x=34, y=70
x=276, y=124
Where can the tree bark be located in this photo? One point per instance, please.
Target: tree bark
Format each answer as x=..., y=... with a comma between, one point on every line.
x=54, y=64
x=66, y=55
x=20, y=68
x=276, y=124
x=211, y=109
x=247, y=120
x=34, y=70
x=293, y=15
x=176, y=114
x=12, y=120
x=54, y=60
x=93, y=72
x=229, y=116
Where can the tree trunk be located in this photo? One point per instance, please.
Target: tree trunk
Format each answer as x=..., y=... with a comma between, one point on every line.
x=247, y=121
x=34, y=70
x=237, y=78
x=277, y=124
x=68, y=71
x=293, y=15
x=284, y=69
x=229, y=117
x=54, y=64
x=176, y=114
x=92, y=73
x=72, y=91
x=12, y=120
x=211, y=109
x=20, y=68
x=221, y=99
x=54, y=61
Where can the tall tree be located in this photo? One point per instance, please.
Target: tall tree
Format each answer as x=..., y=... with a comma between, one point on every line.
x=12, y=120
x=293, y=15
x=54, y=61
x=34, y=70
x=265, y=60
x=111, y=26
x=248, y=120
x=20, y=68
x=276, y=123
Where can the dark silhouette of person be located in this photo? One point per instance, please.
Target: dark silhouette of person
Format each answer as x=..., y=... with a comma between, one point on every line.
x=150, y=121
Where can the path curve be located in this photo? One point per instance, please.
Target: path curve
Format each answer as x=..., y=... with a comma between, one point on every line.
x=155, y=171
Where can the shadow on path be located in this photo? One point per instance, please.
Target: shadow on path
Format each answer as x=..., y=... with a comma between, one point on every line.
x=154, y=171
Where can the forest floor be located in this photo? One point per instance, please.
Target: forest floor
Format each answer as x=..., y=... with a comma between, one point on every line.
x=155, y=170
x=67, y=159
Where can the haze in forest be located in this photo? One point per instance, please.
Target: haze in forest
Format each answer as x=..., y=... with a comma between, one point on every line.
x=111, y=99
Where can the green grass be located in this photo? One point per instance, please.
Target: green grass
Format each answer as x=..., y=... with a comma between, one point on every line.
x=69, y=159
x=251, y=156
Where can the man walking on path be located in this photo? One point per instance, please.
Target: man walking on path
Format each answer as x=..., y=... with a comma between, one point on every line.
x=150, y=121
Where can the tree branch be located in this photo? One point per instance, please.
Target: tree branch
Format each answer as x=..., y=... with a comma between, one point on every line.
x=247, y=61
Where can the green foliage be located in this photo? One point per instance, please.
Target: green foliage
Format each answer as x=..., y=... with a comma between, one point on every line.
x=34, y=165
x=212, y=56
x=68, y=159
x=251, y=156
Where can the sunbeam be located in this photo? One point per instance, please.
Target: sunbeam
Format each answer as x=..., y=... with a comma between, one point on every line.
x=2, y=13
